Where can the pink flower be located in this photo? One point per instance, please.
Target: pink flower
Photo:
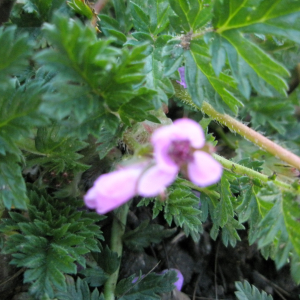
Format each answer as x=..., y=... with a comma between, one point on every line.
x=178, y=146
x=114, y=189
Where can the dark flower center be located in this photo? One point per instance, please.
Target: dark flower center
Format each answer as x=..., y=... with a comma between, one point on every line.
x=180, y=152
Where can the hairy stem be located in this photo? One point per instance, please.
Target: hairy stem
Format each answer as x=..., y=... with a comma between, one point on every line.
x=238, y=127
x=241, y=170
x=117, y=231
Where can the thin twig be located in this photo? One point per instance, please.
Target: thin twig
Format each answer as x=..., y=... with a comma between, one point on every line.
x=13, y=276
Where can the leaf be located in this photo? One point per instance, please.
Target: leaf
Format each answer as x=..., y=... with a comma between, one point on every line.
x=18, y=114
x=108, y=260
x=236, y=14
x=291, y=213
x=150, y=16
x=81, y=8
x=122, y=15
x=78, y=291
x=14, y=53
x=49, y=244
x=223, y=85
x=94, y=276
x=248, y=292
x=263, y=64
x=13, y=189
x=229, y=232
x=276, y=112
x=224, y=210
x=190, y=15
x=147, y=288
x=57, y=152
x=232, y=19
x=92, y=78
x=182, y=207
x=146, y=234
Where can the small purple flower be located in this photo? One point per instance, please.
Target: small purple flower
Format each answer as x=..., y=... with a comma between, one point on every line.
x=178, y=147
x=182, y=79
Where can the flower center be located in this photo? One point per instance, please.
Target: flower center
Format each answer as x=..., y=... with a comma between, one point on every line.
x=180, y=152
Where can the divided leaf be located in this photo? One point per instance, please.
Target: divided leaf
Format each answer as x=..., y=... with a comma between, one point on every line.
x=145, y=234
x=14, y=53
x=190, y=14
x=147, y=288
x=248, y=292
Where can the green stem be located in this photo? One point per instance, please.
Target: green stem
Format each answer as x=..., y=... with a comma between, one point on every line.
x=117, y=231
x=238, y=127
x=241, y=170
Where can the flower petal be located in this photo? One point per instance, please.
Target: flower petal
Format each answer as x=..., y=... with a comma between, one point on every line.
x=182, y=78
x=204, y=170
x=113, y=189
x=190, y=130
x=181, y=130
x=155, y=180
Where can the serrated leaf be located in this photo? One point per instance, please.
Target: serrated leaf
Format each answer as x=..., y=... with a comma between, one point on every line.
x=90, y=76
x=248, y=292
x=19, y=113
x=48, y=245
x=82, y=8
x=236, y=14
x=263, y=64
x=148, y=288
x=224, y=210
x=232, y=18
x=12, y=185
x=14, y=52
x=78, y=291
x=122, y=15
x=150, y=16
x=223, y=85
x=108, y=260
x=145, y=234
x=94, y=276
x=190, y=15
x=182, y=207
x=56, y=151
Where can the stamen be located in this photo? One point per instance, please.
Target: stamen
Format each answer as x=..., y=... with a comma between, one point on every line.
x=180, y=152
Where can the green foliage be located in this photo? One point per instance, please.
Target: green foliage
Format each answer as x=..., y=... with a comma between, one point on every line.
x=78, y=291
x=80, y=7
x=147, y=288
x=182, y=207
x=108, y=260
x=248, y=292
x=50, y=240
x=55, y=152
x=14, y=53
x=145, y=234
x=63, y=84
x=13, y=189
x=94, y=79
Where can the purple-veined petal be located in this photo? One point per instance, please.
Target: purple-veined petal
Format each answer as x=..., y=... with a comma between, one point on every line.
x=155, y=180
x=204, y=170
